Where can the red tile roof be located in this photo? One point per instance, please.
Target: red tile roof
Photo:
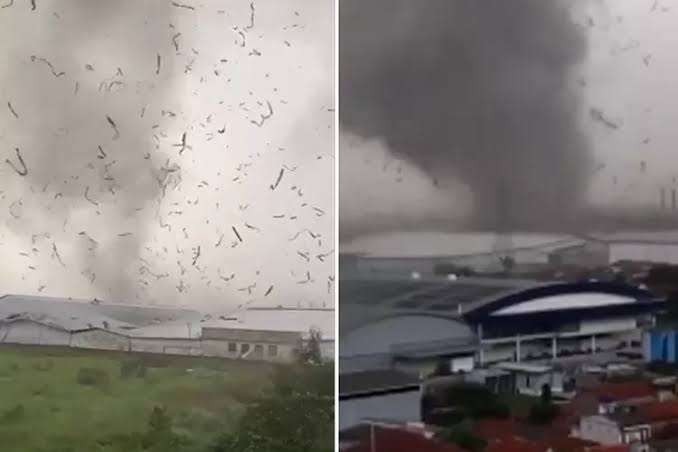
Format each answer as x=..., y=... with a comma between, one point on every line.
x=659, y=411
x=612, y=448
x=399, y=439
x=619, y=392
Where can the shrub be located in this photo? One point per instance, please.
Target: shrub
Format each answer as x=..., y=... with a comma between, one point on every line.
x=543, y=413
x=13, y=414
x=43, y=365
x=132, y=368
x=89, y=376
x=462, y=437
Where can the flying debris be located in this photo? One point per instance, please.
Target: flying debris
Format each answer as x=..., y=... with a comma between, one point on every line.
x=600, y=117
x=183, y=145
x=263, y=117
x=268, y=292
x=116, y=133
x=90, y=200
x=237, y=234
x=277, y=181
x=49, y=64
x=251, y=25
x=20, y=172
x=55, y=254
x=101, y=154
x=181, y=5
x=196, y=255
x=175, y=41
x=11, y=109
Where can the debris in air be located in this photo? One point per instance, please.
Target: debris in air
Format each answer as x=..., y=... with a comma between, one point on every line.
x=116, y=134
x=11, y=109
x=237, y=234
x=600, y=117
x=181, y=5
x=277, y=181
x=51, y=67
x=264, y=117
x=24, y=170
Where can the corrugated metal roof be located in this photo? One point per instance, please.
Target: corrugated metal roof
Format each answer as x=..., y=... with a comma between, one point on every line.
x=74, y=315
x=280, y=319
x=647, y=237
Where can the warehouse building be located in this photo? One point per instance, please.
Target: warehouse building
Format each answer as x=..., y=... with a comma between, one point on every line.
x=414, y=323
x=265, y=334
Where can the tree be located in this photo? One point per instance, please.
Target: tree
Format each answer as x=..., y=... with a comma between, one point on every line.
x=546, y=396
x=309, y=351
x=544, y=411
x=296, y=415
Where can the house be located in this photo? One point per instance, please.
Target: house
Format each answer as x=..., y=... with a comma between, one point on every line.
x=634, y=425
x=530, y=379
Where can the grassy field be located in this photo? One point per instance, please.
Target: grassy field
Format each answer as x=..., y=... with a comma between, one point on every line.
x=44, y=408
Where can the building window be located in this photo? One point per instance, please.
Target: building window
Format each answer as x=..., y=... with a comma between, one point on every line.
x=272, y=350
x=259, y=351
x=232, y=347
x=244, y=348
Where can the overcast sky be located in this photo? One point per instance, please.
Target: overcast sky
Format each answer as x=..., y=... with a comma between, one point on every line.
x=175, y=152
x=628, y=73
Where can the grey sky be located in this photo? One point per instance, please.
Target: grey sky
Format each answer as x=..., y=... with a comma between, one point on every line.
x=210, y=72
x=613, y=77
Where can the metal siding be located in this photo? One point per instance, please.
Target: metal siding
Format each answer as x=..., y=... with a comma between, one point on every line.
x=403, y=407
x=649, y=252
x=380, y=336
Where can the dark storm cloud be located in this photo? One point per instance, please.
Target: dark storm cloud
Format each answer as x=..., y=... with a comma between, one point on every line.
x=477, y=91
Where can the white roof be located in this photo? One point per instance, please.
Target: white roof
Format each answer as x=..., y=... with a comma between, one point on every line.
x=665, y=237
x=438, y=244
x=280, y=319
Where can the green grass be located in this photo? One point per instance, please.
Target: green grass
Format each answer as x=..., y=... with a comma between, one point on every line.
x=43, y=408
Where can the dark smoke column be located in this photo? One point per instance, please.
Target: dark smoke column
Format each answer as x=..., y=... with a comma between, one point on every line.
x=475, y=90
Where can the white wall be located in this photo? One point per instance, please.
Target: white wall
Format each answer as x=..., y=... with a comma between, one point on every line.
x=662, y=253
x=404, y=407
x=607, y=325
x=462, y=364
x=600, y=430
x=27, y=332
x=378, y=337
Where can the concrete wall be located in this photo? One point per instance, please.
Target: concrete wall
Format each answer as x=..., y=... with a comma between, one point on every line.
x=462, y=364
x=169, y=346
x=647, y=252
x=234, y=349
x=29, y=332
x=404, y=407
x=607, y=325
x=34, y=333
x=600, y=430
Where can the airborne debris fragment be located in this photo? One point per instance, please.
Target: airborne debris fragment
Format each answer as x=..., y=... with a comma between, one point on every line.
x=11, y=109
x=49, y=64
x=277, y=181
x=264, y=117
x=22, y=172
x=116, y=133
x=181, y=5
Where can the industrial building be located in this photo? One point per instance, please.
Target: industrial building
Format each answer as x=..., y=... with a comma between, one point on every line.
x=262, y=334
x=413, y=323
